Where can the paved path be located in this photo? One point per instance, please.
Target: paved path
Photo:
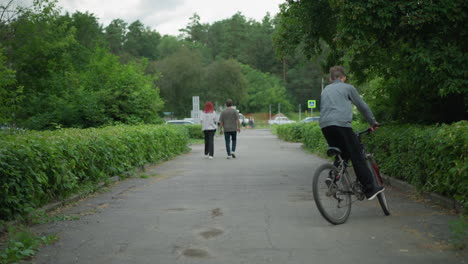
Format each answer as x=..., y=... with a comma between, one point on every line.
x=255, y=209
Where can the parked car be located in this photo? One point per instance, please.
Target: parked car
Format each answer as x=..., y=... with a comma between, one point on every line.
x=279, y=120
x=8, y=129
x=311, y=119
x=243, y=120
x=179, y=122
x=195, y=121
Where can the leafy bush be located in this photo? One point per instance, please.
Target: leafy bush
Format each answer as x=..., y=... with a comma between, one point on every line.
x=291, y=132
x=314, y=140
x=432, y=158
x=37, y=167
x=195, y=131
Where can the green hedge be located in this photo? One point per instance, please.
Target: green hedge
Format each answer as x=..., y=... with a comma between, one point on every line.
x=307, y=133
x=290, y=132
x=195, y=131
x=38, y=167
x=432, y=158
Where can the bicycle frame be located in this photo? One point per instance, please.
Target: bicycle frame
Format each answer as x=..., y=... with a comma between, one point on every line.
x=369, y=156
x=356, y=187
x=333, y=186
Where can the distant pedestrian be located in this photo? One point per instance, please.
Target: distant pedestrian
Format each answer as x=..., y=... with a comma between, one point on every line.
x=251, y=122
x=229, y=124
x=208, y=119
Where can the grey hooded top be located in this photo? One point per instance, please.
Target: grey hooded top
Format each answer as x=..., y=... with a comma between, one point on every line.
x=336, y=108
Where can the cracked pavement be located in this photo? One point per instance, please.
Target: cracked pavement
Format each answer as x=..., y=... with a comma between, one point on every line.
x=257, y=208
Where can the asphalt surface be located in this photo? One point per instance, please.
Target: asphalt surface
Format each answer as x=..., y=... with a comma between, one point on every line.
x=257, y=208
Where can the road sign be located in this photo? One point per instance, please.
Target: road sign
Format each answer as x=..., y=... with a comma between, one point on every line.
x=311, y=104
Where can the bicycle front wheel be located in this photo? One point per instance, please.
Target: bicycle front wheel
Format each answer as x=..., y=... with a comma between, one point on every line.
x=332, y=195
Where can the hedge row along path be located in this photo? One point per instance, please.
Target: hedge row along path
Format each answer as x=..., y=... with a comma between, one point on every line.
x=257, y=208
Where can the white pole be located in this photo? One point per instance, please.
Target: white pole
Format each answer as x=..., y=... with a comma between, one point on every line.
x=269, y=118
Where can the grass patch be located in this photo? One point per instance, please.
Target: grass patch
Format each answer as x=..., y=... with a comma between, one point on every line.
x=459, y=230
x=262, y=126
x=196, y=141
x=41, y=217
x=20, y=244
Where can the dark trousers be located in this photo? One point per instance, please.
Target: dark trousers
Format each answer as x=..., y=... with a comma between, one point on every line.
x=346, y=140
x=227, y=137
x=209, y=142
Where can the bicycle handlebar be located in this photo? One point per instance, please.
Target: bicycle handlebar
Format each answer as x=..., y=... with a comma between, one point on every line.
x=367, y=131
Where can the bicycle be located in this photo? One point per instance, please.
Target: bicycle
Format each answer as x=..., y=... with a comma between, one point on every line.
x=332, y=185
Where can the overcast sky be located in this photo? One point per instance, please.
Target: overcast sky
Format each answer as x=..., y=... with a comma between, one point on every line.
x=168, y=16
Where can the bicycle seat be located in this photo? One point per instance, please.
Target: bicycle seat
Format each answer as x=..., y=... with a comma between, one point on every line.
x=332, y=151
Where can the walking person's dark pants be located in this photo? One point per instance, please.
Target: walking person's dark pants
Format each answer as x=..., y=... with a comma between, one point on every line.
x=346, y=140
x=209, y=142
x=227, y=138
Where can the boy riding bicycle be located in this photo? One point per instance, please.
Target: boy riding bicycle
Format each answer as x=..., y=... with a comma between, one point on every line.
x=335, y=121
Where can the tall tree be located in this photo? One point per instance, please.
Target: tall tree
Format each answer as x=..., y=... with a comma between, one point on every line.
x=419, y=48
x=115, y=34
x=133, y=38
x=263, y=90
x=149, y=44
x=55, y=74
x=235, y=36
x=195, y=31
x=123, y=92
x=89, y=33
x=259, y=51
x=181, y=78
x=10, y=93
x=223, y=79
x=168, y=46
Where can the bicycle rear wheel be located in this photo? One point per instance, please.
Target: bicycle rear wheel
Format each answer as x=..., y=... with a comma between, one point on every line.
x=378, y=180
x=333, y=198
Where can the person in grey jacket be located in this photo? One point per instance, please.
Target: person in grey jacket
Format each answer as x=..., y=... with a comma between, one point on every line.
x=335, y=121
x=229, y=122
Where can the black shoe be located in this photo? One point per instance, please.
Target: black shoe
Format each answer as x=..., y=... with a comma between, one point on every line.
x=371, y=194
x=233, y=155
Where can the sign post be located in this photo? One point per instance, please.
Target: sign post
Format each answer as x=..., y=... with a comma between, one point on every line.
x=311, y=104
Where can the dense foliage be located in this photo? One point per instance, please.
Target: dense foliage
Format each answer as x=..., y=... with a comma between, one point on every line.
x=432, y=158
x=195, y=131
x=291, y=132
x=58, y=66
x=408, y=58
x=403, y=54
x=263, y=90
x=37, y=167
x=59, y=73
x=418, y=48
x=289, y=80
